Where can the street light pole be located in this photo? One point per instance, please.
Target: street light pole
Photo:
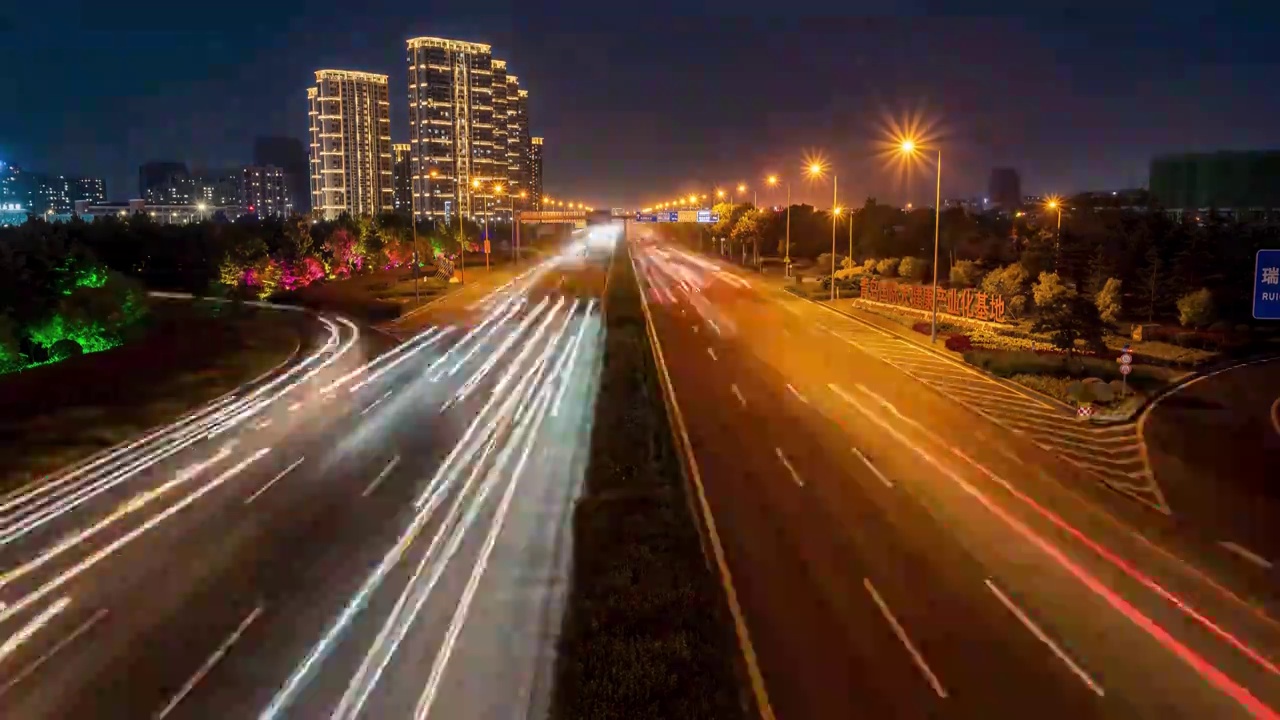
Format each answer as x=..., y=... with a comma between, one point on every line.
x=835, y=184
x=937, y=221
x=413, y=223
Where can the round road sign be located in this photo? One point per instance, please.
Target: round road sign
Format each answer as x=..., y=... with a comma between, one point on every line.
x=1126, y=358
x=1126, y=369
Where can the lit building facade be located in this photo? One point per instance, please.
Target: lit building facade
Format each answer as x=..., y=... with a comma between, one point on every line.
x=401, y=177
x=158, y=213
x=23, y=192
x=164, y=182
x=468, y=130
x=350, y=119
x=264, y=191
x=535, y=173
x=218, y=187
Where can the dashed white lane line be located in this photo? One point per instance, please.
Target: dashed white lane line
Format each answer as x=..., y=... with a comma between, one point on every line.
x=273, y=480
x=738, y=394
x=263, y=425
x=296, y=406
x=1044, y=638
x=209, y=663
x=796, y=392
x=381, y=476
x=787, y=464
x=874, y=470
x=1247, y=554
x=376, y=403
x=695, y=329
x=39, y=662
x=906, y=641
x=712, y=353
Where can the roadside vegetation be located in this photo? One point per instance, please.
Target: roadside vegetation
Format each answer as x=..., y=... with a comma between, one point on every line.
x=1120, y=272
x=645, y=632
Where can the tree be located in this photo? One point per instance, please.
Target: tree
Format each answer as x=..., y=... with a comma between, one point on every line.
x=1069, y=319
x=1195, y=310
x=965, y=274
x=1008, y=282
x=1048, y=290
x=1149, y=279
x=912, y=269
x=1108, y=300
x=747, y=229
x=10, y=349
x=888, y=267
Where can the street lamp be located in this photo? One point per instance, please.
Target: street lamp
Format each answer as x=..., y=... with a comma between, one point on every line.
x=909, y=147
x=515, y=230
x=816, y=169
x=1054, y=203
x=786, y=261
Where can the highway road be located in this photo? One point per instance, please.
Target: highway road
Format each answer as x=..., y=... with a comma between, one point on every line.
x=357, y=536
x=1214, y=446
x=897, y=554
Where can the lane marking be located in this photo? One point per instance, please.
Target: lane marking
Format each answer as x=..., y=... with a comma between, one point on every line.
x=695, y=329
x=1203, y=667
x=263, y=425
x=209, y=663
x=1044, y=638
x=32, y=627
x=906, y=641
x=875, y=470
x=712, y=353
x=381, y=476
x=738, y=394
x=1247, y=554
x=787, y=463
x=273, y=480
x=796, y=392
x=40, y=661
x=296, y=406
x=376, y=403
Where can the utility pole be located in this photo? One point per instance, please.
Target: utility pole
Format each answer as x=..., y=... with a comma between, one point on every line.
x=413, y=223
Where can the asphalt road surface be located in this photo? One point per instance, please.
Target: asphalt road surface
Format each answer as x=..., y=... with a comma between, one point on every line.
x=354, y=537
x=1214, y=446
x=897, y=554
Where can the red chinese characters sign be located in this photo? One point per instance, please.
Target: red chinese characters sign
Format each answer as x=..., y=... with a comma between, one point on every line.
x=971, y=304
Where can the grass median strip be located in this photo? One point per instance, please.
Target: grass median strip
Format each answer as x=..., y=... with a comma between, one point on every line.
x=646, y=632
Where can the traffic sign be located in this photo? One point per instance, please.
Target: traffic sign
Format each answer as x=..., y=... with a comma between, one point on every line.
x=1126, y=369
x=1126, y=358
x=646, y=218
x=1266, y=285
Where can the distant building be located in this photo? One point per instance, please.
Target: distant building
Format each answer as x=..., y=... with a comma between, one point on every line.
x=23, y=192
x=217, y=187
x=1244, y=185
x=163, y=182
x=1127, y=199
x=1005, y=189
x=401, y=177
x=350, y=119
x=535, y=173
x=264, y=191
x=159, y=213
x=969, y=205
x=290, y=155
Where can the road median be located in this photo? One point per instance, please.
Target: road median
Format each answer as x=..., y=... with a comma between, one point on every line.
x=646, y=632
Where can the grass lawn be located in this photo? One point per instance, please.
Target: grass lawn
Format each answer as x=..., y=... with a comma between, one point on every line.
x=646, y=631
x=371, y=297
x=188, y=354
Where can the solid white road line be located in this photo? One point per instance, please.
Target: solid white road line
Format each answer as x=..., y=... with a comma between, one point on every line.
x=712, y=353
x=209, y=663
x=32, y=627
x=1035, y=630
x=738, y=394
x=381, y=476
x=1247, y=554
x=874, y=470
x=787, y=463
x=796, y=392
x=906, y=641
x=273, y=480
x=36, y=664
x=376, y=403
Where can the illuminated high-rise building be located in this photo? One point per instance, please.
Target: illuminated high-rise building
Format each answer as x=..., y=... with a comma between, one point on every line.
x=535, y=173
x=401, y=177
x=350, y=120
x=466, y=121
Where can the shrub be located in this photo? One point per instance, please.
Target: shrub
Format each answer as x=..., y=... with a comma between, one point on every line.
x=923, y=328
x=1008, y=281
x=823, y=263
x=959, y=343
x=65, y=348
x=965, y=274
x=1108, y=301
x=913, y=269
x=1196, y=309
x=1049, y=290
x=888, y=267
x=869, y=265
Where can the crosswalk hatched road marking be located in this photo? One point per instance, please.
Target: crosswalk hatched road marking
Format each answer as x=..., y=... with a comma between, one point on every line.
x=1111, y=453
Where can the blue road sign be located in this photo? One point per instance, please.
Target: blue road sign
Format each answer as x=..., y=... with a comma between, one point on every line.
x=646, y=218
x=1266, y=285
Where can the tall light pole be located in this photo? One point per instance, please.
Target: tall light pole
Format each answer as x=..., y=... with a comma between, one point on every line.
x=908, y=147
x=515, y=231
x=786, y=261
x=816, y=169
x=1055, y=204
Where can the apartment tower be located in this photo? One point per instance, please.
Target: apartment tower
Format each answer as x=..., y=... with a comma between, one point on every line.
x=350, y=120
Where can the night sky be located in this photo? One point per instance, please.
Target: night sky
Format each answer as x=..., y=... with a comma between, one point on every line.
x=638, y=105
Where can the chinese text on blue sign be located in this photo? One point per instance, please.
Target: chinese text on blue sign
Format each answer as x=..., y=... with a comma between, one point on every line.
x=1266, y=286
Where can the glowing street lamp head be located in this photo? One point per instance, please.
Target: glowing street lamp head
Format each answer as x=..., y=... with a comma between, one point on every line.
x=837, y=210
x=742, y=187
x=475, y=183
x=497, y=188
x=815, y=169
x=201, y=207
x=719, y=193
x=1053, y=203
x=907, y=146
x=693, y=199
x=523, y=194
x=772, y=179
